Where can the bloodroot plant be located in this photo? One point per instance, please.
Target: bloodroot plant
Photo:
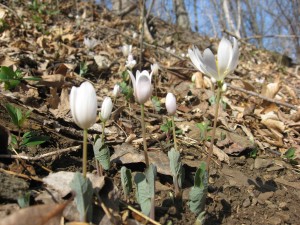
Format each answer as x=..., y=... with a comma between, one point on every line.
x=217, y=68
x=176, y=167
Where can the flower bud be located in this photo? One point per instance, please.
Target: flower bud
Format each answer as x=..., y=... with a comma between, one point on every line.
x=155, y=68
x=126, y=50
x=83, y=104
x=224, y=87
x=171, y=104
x=213, y=80
x=141, y=85
x=116, y=90
x=106, y=109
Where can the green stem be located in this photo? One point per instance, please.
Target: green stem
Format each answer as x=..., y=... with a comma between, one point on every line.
x=84, y=156
x=103, y=132
x=219, y=93
x=174, y=133
x=144, y=135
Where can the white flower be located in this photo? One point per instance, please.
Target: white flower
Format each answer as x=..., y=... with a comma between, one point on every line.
x=126, y=50
x=106, y=109
x=90, y=43
x=116, y=90
x=171, y=104
x=83, y=104
x=130, y=63
x=141, y=85
x=155, y=68
x=227, y=59
x=134, y=35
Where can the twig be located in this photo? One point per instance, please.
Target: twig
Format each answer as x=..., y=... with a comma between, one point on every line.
x=142, y=33
x=20, y=175
x=263, y=97
x=35, y=158
x=148, y=219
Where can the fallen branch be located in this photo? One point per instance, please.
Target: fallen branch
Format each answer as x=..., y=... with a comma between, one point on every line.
x=263, y=97
x=39, y=157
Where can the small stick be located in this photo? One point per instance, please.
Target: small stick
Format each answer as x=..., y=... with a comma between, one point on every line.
x=35, y=158
x=20, y=175
x=263, y=97
x=148, y=219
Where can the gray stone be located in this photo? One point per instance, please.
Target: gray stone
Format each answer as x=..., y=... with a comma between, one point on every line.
x=265, y=196
x=246, y=203
x=275, y=220
x=262, y=163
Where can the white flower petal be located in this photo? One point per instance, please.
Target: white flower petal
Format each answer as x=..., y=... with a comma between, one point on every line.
x=224, y=56
x=209, y=63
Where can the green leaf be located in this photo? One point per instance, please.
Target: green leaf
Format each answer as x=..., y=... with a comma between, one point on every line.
x=150, y=174
x=84, y=195
x=9, y=77
x=31, y=138
x=13, y=113
x=24, y=200
x=201, y=176
x=102, y=154
x=290, y=153
x=197, y=197
x=32, y=78
x=198, y=193
x=142, y=193
x=156, y=103
x=176, y=166
x=126, y=180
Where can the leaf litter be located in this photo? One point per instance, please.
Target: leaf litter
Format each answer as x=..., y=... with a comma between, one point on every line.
x=54, y=51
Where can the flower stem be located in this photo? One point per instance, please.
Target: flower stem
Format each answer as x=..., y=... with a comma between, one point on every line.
x=217, y=105
x=144, y=135
x=103, y=134
x=84, y=156
x=174, y=133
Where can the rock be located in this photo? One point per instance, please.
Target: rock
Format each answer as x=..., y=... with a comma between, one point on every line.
x=262, y=163
x=265, y=196
x=254, y=201
x=246, y=203
x=275, y=220
x=283, y=206
x=284, y=216
x=11, y=186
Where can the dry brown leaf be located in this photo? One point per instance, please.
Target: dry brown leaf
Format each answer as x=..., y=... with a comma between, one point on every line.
x=271, y=121
x=126, y=153
x=6, y=61
x=36, y=215
x=270, y=90
x=53, y=80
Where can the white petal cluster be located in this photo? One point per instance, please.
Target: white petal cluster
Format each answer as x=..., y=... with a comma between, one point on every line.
x=130, y=63
x=116, y=90
x=126, y=50
x=141, y=85
x=154, y=68
x=83, y=104
x=90, y=43
x=227, y=59
x=171, y=103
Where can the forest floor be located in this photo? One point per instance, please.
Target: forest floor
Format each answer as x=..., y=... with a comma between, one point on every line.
x=252, y=180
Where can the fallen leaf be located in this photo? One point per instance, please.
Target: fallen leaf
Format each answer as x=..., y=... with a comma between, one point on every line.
x=36, y=215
